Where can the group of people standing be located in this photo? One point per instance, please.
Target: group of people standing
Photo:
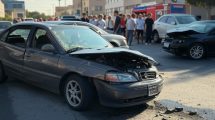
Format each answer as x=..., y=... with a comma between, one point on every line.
x=130, y=25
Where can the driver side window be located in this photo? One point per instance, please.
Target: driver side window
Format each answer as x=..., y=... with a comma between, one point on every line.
x=42, y=41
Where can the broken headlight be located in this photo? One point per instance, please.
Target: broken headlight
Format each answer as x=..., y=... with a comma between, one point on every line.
x=119, y=77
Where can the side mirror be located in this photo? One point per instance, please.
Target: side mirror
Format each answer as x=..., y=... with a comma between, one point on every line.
x=48, y=48
x=173, y=23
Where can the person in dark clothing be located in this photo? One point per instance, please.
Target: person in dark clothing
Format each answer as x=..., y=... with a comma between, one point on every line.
x=117, y=23
x=84, y=18
x=148, y=28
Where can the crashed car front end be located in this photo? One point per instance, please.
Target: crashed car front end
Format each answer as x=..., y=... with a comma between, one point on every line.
x=178, y=41
x=124, y=77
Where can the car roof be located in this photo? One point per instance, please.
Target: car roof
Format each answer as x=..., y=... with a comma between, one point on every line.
x=205, y=21
x=45, y=24
x=177, y=15
x=61, y=22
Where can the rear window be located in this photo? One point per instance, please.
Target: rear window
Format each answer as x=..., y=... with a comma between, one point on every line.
x=185, y=19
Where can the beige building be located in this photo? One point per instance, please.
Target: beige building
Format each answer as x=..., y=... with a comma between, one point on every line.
x=2, y=10
x=64, y=10
x=91, y=7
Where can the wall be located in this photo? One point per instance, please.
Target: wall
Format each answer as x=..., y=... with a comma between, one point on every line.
x=2, y=10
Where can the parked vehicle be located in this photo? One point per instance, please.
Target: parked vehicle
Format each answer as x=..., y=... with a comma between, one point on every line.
x=195, y=40
x=168, y=22
x=79, y=64
x=4, y=25
x=70, y=18
x=115, y=40
x=29, y=20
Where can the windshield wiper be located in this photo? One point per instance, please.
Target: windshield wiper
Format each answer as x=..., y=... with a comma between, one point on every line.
x=76, y=49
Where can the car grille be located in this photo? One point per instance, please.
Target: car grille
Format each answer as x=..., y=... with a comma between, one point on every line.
x=149, y=75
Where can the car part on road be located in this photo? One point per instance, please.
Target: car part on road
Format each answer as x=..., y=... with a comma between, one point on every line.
x=197, y=51
x=78, y=92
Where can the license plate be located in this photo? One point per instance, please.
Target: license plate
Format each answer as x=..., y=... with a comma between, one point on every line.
x=166, y=44
x=153, y=90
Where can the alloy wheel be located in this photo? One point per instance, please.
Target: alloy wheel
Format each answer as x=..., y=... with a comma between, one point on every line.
x=197, y=51
x=73, y=93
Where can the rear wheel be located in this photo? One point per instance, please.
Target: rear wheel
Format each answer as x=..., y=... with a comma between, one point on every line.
x=197, y=51
x=78, y=92
x=2, y=75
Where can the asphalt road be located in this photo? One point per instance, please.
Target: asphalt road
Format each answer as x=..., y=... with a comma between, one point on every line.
x=188, y=84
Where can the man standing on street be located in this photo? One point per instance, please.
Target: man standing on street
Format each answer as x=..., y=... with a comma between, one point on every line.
x=117, y=23
x=140, y=27
x=130, y=25
x=84, y=18
x=101, y=22
x=148, y=27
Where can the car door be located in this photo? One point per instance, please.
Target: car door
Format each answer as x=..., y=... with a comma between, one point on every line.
x=171, y=23
x=12, y=49
x=160, y=26
x=41, y=60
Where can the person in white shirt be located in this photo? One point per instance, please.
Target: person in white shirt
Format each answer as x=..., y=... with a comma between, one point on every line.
x=110, y=23
x=140, y=27
x=130, y=26
x=101, y=22
x=94, y=20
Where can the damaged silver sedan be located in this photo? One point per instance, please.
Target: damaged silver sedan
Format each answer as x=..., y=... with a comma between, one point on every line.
x=79, y=64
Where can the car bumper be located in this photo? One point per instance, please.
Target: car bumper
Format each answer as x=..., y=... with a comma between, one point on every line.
x=175, y=48
x=127, y=94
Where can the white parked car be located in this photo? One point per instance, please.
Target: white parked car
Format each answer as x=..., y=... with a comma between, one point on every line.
x=170, y=21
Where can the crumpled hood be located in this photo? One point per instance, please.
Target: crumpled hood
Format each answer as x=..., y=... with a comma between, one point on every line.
x=183, y=30
x=115, y=50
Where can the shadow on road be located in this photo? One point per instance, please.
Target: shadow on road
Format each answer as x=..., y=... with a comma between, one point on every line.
x=32, y=103
x=6, y=107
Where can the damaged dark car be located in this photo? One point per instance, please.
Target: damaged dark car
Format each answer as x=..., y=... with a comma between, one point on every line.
x=79, y=64
x=196, y=40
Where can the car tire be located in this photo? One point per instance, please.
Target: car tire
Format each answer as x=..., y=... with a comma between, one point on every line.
x=78, y=92
x=196, y=51
x=2, y=75
x=156, y=37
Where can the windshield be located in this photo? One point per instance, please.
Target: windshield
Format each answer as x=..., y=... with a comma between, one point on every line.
x=185, y=19
x=78, y=37
x=4, y=25
x=202, y=27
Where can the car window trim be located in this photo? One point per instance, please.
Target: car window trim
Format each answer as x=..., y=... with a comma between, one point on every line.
x=33, y=38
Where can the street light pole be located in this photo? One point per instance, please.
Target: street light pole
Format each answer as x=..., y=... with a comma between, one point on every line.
x=81, y=7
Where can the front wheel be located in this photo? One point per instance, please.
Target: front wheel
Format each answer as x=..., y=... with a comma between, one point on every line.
x=197, y=51
x=2, y=75
x=78, y=92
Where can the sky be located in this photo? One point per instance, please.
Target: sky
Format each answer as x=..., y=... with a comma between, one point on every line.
x=44, y=6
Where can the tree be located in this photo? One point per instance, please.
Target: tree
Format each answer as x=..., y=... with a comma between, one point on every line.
x=208, y=4
x=36, y=15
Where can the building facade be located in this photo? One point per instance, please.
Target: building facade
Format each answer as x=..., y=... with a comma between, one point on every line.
x=64, y=10
x=2, y=10
x=15, y=8
x=90, y=7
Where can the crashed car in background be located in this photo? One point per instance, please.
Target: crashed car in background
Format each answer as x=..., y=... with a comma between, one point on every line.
x=79, y=64
x=115, y=40
x=196, y=40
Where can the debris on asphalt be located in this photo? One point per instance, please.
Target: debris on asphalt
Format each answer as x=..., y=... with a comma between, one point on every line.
x=192, y=113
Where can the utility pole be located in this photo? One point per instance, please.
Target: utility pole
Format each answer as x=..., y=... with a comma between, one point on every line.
x=81, y=7
x=59, y=2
